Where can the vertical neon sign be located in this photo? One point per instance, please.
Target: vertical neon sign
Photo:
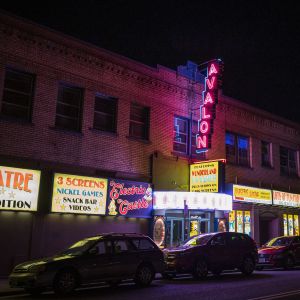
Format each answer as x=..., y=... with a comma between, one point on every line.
x=208, y=107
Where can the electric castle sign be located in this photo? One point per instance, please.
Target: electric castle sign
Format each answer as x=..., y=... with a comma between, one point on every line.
x=208, y=107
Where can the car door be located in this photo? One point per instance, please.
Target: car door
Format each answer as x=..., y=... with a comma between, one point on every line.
x=124, y=258
x=96, y=264
x=235, y=249
x=217, y=253
x=296, y=246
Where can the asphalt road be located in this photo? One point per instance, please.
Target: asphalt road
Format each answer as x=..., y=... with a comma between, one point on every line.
x=263, y=285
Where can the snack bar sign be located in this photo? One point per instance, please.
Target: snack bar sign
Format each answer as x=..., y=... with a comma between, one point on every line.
x=19, y=189
x=79, y=194
x=129, y=199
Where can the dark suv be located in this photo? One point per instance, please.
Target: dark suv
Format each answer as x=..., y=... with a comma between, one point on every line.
x=213, y=252
x=107, y=257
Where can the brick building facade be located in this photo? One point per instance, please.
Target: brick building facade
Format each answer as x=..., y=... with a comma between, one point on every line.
x=143, y=102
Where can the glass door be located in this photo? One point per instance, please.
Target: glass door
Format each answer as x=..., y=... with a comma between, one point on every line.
x=174, y=231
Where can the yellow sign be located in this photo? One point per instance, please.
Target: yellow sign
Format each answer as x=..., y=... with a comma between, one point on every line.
x=232, y=221
x=249, y=194
x=204, y=177
x=296, y=224
x=239, y=221
x=19, y=189
x=79, y=194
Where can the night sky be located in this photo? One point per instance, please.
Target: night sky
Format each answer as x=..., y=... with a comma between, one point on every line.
x=259, y=41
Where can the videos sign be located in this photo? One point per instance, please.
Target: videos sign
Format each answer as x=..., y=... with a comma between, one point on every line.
x=79, y=194
x=19, y=189
x=129, y=199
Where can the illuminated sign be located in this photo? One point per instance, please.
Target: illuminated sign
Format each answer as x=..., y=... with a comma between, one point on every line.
x=191, y=200
x=250, y=194
x=208, y=107
x=285, y=224
x=79, y=194
x=286, y=199
x=247, y=222
x=296, y=224
x=207, y=177
x=290, y=225
x=19, y=189
x=232, y=221
x=129, y=199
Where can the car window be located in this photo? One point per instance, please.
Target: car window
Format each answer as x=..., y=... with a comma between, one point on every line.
x=281, y=241
x=122, y=246
x=103, y=247
x=143, y=244
x=218, y=240
x=296, y=240
x=235, y=239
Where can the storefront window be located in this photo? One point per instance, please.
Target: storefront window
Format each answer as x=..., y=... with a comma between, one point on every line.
x=290, y=224
x=240, y=221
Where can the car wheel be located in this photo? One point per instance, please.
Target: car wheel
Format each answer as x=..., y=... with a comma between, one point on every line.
x=200, y=270
x=65, y=282
x=248, y=266
x=289, y=263
x=34, y=291
x=144, y=275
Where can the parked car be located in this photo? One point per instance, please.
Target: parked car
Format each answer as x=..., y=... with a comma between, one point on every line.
x=213, y=252
x=105, y=258
x=283, y=251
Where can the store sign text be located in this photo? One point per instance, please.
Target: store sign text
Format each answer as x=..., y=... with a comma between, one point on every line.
x=286, y=199
x=249, y=194
x=19, y=189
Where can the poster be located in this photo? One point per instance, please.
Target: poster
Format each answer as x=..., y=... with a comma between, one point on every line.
x=194, y=227
x=19, y=189
x=232, y=221
x=129, y=199
x=247, y=222
x=159, y=231
x=239, y=221
x=285, y=224
x=79, y=194
x=296, y=224
x=290, y=225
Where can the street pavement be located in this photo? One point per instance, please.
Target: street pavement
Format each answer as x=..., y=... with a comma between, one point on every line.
x=263, y=285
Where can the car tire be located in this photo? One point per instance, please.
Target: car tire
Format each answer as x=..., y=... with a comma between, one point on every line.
x=34, y=291
x=289, y=263
x=248, y=266
x=200, y=269
x=65, y=282
x=144, y=275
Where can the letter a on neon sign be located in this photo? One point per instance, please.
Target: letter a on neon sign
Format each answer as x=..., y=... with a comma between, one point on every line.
x=208, y=99
x=212, y=70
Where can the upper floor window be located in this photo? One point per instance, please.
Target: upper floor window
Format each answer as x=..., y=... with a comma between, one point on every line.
x=18, y=94
x=288, y=161
x=105, y=113
x=69, y=107
x=266, y=154
x=181, y=135
x=139, y=121
x=237, y=149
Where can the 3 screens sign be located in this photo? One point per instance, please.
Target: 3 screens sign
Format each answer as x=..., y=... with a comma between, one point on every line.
x=79, y=194
x=19, y=189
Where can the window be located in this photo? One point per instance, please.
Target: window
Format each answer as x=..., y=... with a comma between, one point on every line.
x=288, y=159
x=122, y=246
x=69, y=107
x=181, y=142
x=102, y=247
x=237, y=149
x=105, y=113
x=17, y=94
x=139, y=121
x=240, y=221
x=266, y=158
x=143, y=244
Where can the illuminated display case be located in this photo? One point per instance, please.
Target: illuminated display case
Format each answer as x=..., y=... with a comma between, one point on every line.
x=240, y=221
x=290, y=224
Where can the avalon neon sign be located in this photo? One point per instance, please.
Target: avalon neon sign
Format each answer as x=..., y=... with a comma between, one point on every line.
x=208, y=107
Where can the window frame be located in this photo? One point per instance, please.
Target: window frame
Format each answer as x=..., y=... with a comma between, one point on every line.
x=113, y=115
x=294, y=173
x=29, y=107
x=79, y=118
x=145, y=125
x=269, y=162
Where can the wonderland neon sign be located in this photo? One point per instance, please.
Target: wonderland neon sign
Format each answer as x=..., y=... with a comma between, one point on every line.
x=208, y=107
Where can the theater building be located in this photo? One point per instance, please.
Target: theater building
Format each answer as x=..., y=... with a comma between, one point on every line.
x=87, y=135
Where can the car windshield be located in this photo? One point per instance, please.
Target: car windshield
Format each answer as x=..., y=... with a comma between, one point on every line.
x=282, y=241
x=80, y=247
x=198, y=240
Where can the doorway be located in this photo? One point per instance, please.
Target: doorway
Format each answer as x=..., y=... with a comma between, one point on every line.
x=268, y=227
x=174, y=231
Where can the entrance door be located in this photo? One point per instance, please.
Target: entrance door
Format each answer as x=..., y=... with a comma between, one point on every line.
x=175, y=231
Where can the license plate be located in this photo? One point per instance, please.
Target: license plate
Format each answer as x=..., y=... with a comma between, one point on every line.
x=261, y=260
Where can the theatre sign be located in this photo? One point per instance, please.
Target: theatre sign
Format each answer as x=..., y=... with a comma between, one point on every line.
x=19, y=189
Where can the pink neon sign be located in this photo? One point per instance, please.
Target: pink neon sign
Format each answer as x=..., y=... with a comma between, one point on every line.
x=207, y=109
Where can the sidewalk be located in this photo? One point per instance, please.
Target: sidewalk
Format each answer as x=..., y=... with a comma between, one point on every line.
x=6, y=290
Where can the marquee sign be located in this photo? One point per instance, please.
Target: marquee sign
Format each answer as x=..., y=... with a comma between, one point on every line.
x=79, y=194
x=208, y=107
x=250, y=194
x=286, y=199
x=19, y=189
x=129, y=199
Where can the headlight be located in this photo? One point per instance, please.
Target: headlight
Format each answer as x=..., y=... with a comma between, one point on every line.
x=38, y=268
